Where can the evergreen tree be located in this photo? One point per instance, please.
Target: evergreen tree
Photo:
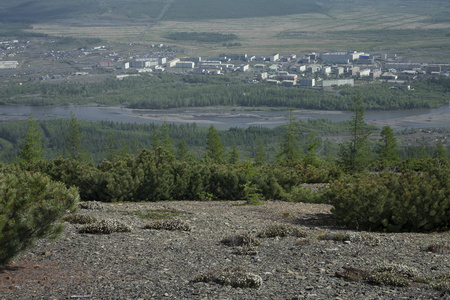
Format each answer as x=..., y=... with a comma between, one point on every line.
x=387, y=153
x=182, y=150
x=261, y=154
x=290, y=150
x=440, y=152
x=311, y=157
x=234, y=154
x=166, y=140
x=32, y=149
x=214, y=146
x=73, y=141
x=355, y=156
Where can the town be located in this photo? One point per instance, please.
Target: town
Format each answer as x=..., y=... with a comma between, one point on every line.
x=25, y=61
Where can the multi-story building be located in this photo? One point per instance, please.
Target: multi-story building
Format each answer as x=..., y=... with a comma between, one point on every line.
x=311, y=82
x=338, y=82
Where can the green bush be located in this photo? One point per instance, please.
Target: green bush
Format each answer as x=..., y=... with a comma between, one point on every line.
x=394, y=202
x=31, y=206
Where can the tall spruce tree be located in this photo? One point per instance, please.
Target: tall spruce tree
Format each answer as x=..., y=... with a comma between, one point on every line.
x=32, y=150
x=355, y=156
x=261, y=154
x=387, y=152
x=234, y=154
x=73, y=141
x=214, y=146
x=440, y=152
x=290, y=150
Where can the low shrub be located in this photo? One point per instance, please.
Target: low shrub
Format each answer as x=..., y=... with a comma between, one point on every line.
x=168, y=224
x=236, y=277
x=105, y=227
x=92, y=205
x=243, y=239
x=439, y=248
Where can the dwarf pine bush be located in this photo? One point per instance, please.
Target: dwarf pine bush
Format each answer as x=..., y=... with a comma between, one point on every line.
x=394, y=202
x=31, y=207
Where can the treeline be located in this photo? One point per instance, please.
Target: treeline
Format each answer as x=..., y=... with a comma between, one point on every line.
x=172, y=91
x=106, y=138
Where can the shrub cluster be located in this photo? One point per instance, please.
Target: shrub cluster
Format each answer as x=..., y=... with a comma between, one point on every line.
x=394, y=202
x=156, y=175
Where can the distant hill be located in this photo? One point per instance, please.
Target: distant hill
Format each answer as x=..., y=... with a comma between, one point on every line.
x=35, y=11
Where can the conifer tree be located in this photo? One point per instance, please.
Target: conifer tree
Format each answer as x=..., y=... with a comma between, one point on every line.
x=440, y=152
x=355, y=155
x=214, y=146
x=182, y=150
x=311, y=157
x=167, y=141
x=261, y=154
x=290, y=150
x=387, y=153
x=32, y=149
x=73, y=141
x=234, y=154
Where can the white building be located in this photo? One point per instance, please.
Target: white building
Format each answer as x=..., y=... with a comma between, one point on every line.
x=338, y=82
x=274, y=57
x=244, y=68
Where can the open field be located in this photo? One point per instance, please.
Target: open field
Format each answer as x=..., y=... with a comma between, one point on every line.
x=365, y=28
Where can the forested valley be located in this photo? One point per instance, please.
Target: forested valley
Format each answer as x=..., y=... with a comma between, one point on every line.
x=158, y=91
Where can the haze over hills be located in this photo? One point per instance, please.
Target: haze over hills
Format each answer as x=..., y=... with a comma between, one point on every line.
x=139, y=10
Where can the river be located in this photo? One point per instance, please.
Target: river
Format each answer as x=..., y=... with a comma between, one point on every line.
x=225, y=118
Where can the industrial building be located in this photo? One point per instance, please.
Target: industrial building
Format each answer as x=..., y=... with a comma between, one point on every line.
x=310, y=82
x=338, y=82
x=340, y=57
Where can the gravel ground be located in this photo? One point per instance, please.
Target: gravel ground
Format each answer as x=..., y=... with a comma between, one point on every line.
x=164, y=264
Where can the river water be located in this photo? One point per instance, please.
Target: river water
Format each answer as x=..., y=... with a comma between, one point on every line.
x=225, y=118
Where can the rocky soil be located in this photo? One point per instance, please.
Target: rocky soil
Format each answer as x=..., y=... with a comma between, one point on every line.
x=310, y=262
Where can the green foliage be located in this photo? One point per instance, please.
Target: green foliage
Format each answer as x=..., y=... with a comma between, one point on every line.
x=387, y=155
x=214, y=147
x=31, y=206
x=251, y=194
x=394, y=202
x=355, y=155
x=172, y=91
x=74, y=139
x=290, y=150
x=32, y=149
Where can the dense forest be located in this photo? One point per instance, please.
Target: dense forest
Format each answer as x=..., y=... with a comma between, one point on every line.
x=171, y=91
